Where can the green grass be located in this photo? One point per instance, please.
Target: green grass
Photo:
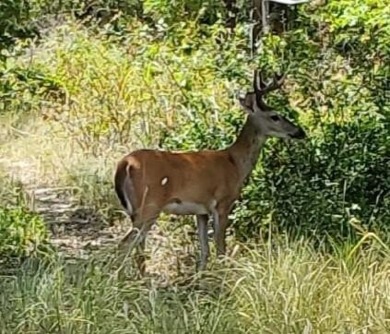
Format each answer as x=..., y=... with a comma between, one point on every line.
x=284, y=288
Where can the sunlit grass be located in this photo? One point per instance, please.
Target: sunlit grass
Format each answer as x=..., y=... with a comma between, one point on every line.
x=284, y=288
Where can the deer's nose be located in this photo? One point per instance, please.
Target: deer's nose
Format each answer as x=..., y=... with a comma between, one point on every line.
x=299, y=134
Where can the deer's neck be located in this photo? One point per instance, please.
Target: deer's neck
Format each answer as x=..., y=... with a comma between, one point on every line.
x=246, y=149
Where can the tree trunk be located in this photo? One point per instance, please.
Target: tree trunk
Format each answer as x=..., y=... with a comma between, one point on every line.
x=231, y=12
x=257, y=18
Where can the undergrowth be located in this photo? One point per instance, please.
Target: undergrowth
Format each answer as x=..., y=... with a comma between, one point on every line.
x=278, y=288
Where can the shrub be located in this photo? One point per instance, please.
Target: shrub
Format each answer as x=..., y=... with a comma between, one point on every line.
x=23, y=233
x=15, y=25
x=171, y=86
x=340, y=176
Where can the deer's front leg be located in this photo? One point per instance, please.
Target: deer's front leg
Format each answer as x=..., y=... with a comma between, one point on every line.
x=202, y=221
x=220, y=224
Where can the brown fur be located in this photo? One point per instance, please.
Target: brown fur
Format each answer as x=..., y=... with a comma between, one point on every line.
x=204, y=176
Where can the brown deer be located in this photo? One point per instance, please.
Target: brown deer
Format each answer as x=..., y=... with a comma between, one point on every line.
x=202, y=183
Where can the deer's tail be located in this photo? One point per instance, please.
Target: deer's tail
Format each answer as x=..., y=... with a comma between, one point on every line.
x=124, y=187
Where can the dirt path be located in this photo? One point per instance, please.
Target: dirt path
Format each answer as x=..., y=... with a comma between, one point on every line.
x=78, y=231
x=74, y=229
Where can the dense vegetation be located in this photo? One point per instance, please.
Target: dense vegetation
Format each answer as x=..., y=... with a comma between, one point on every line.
x=81, y=84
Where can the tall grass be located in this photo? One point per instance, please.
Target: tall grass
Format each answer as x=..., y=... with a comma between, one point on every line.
x=284, y=288
x=99, y=98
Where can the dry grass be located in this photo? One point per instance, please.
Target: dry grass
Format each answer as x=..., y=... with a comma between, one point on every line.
x=286, y=288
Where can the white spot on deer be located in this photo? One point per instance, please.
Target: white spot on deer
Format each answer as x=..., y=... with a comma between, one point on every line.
x=186, y=208
x=164, y=181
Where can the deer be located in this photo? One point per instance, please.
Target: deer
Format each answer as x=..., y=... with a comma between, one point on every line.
x=204, y=183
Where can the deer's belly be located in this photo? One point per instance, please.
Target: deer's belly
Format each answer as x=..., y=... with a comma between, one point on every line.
x=186, y=208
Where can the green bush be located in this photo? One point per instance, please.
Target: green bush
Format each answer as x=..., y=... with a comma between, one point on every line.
x=15, y=24
x=26, y=88
x=172, y=85
x=23, y=233
x=340, y=176
x=132, y=91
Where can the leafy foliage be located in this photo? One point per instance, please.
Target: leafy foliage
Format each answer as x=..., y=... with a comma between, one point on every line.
x=340, y=177
x=15, y=24
x=23, y=232
x=164, y=80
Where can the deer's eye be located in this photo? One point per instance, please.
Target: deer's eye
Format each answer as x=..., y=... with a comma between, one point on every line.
x=275, y=118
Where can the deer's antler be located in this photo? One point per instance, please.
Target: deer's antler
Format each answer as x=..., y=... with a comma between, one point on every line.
x=261, y=88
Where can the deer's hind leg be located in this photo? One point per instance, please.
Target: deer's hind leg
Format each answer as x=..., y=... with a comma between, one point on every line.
x=135, y=238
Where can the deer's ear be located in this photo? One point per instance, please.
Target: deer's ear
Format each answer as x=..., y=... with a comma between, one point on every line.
x=247, y=102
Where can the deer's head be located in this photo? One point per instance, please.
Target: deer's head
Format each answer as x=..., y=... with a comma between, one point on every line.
x=264, y=117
